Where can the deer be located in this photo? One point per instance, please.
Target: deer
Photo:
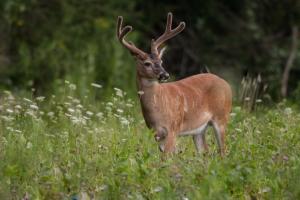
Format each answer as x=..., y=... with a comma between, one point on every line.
x=184, y=107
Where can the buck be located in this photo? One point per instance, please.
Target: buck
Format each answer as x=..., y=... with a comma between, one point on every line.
x=184, y=107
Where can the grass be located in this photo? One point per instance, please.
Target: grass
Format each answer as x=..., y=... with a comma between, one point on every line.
x=63, y=147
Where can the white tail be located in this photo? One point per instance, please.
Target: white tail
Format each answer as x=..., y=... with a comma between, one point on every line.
x=185, y=107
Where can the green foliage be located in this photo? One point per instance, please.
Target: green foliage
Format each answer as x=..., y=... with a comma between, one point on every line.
x=65, y=146
x=52, y=41
x=46, y=42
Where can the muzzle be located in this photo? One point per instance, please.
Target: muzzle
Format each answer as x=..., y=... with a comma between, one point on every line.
x=159, y=137
x=163, y=76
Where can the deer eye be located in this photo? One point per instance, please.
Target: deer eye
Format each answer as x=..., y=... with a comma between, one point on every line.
x=148, y=64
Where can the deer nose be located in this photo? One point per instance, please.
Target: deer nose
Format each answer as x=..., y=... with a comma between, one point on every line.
x=164, y=76
x=157, y=137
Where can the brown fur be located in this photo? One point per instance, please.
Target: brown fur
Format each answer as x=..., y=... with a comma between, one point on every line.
x=179, y=106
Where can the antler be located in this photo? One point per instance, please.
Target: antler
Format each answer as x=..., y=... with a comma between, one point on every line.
x=122, y=32
x=169, y=33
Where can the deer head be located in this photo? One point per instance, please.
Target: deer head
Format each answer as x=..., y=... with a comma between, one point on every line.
x=149, y=66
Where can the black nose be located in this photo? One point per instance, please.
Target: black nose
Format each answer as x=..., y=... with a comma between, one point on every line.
x=164, y=76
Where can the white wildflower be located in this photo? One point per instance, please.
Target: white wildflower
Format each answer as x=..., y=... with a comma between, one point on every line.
x=9, y=110
x=79, y=106
x=75, y=120
x=7, y=92
x=18, y=131
x=29, y=145
x=232, y=114
x=99, y=114
x=18, y=107
x=30, y=113
x=119, y=92
x=158, y=189
x=71, y=110
x=124, y=121
x=9, y=128
x=247, y=98
x=288, y=111
x=96, y=85
x=68, y=115
x=258, y=101
x=117, y=89
x=40, y=98
x=237, y=108
x=11, y=97
x=34, y=107
x=109, y=104
x=78, y=121
x=129, y=105
x=72, y=87
x=141, y=92
x=264, y=190
x=101, y=188
x=238, y=130
x=120, y=110
x=50, y=114
x=89, y=113
x=28, y=100
x=6, y=118
x=86, y=118
x=76, y=101
x=116, y=115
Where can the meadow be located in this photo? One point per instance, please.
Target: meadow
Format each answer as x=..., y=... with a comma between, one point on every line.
x=68, y=146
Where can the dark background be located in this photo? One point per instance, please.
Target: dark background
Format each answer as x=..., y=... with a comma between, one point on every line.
x=44, y=42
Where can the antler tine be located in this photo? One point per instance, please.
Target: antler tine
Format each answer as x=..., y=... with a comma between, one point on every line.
x=169, y=33
x=169, y=22
x=122, y=32
x=119, y=26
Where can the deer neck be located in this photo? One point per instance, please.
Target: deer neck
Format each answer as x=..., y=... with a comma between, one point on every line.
x=147, y=90
x=146, y=86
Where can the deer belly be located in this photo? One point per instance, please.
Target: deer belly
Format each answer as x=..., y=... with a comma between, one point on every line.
x=196, y=131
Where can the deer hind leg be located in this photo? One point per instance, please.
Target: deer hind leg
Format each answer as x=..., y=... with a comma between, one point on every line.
x=219, y=129
x=200, y=142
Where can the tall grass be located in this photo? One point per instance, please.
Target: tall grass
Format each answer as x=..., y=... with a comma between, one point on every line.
x=66, y=147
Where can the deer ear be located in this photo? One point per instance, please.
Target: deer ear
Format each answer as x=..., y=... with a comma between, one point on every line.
x=161, y=52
